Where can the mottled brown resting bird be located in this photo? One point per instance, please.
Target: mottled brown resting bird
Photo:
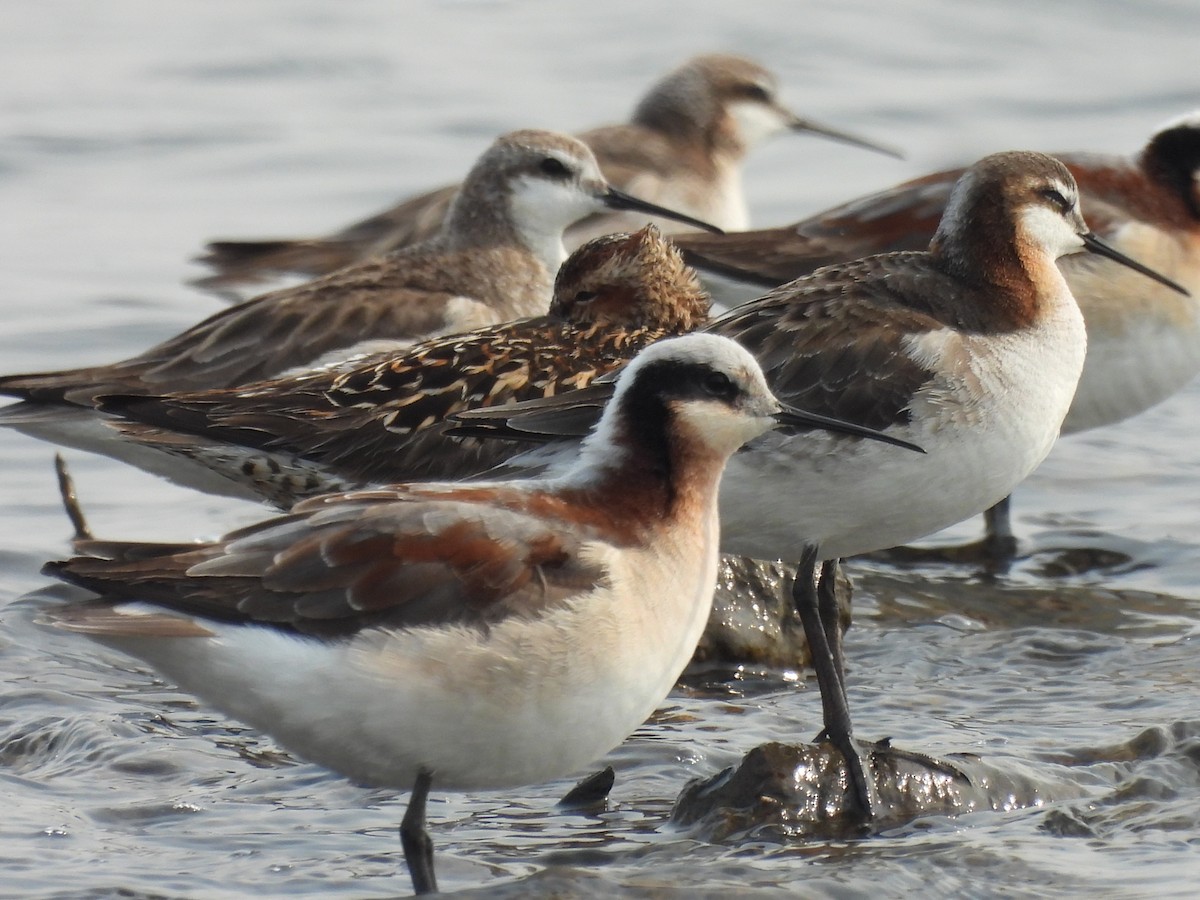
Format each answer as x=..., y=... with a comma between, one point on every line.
x=1143, y=337
x=494, y=261
x=382, y=420
x=683, y=148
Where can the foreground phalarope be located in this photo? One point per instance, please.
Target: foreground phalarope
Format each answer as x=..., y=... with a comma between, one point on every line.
x=472, y=635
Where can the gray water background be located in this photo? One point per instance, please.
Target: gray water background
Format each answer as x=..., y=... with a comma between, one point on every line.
x=132, y=130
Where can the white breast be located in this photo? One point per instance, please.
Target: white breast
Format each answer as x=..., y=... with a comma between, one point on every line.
x=986, y=421
x=526, y=701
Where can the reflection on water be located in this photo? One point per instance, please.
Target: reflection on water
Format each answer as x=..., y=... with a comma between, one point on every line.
x=128, y=138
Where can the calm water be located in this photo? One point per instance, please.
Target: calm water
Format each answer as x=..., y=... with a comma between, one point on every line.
x=131, y=131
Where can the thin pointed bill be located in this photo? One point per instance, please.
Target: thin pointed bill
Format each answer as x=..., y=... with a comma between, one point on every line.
x=1100, y=248
x=789, y=416
x=615, y=199
x=799, y=124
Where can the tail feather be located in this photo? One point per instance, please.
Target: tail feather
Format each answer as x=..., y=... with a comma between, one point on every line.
x=98, y=551
x=255, y=262
x=102, y=619
x=78, y=387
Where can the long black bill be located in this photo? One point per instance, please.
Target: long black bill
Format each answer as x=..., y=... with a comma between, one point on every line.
x=615, y=199
x=799, y=124
x=798, y=418
x=1100, y=248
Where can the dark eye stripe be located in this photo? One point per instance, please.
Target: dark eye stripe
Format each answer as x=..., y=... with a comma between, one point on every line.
x=756, y=92
x=718, y=384
x=1055, y=196
x=554, y=167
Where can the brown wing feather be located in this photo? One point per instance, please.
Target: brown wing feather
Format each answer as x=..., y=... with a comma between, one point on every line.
x=257, y=262
x=375, y=300
x=385, y=420
x=629, y=152
x=342, y=565
x=900, y=218
x=408, y=222
x=834, y=342
x=831, y=343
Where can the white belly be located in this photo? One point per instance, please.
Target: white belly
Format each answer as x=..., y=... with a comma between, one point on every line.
x=985, y=426
x=528, y=701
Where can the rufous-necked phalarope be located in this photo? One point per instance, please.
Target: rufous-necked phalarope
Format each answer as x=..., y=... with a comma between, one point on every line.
x=1143, y=339
x=683, y=149
x=473, y=635
x=970, y=349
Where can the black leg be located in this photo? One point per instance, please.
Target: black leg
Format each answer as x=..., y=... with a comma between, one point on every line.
x=830, y=680
x=418, y=846
x=995, y=551
x=998, y=540
x=827, y=606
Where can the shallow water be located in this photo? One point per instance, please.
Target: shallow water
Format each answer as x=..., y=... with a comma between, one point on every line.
x=129, y=133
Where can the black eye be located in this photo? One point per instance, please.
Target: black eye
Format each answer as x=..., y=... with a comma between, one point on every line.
x=1057, y=199
x=756, y=92
x=718, y=384
x=585, y=296
x=554, y=167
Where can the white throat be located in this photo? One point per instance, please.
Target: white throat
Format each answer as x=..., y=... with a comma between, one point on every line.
x=541, y=210
x=755, y=122
x=1048, y=230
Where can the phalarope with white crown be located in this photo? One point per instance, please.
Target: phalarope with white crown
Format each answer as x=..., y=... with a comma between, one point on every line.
x=971, y=350
x=1143, y=338
x=466, y=635
x=683, y=149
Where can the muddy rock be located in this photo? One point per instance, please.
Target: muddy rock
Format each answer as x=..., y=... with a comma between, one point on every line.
x=752, y=620
x=787, y=791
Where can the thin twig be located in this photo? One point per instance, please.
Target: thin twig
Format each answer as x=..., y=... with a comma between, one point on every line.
x=70, y=502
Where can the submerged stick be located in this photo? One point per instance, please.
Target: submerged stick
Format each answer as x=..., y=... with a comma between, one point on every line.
x=70, y=501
